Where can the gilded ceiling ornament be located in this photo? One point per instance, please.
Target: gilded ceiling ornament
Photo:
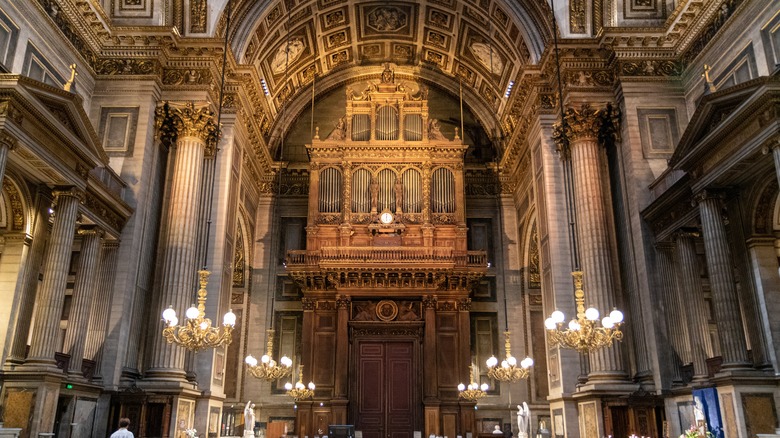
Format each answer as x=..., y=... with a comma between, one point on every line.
x=487, y=56
x=386, y=19
x=287, y=54
x=577, y=16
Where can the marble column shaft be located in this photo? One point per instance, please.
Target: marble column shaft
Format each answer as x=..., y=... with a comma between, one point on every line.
x=695, y=315
x=178, y=282
x=29, y=288
x=51, y=294
x=594, y=243
x=733, y=347
x=676, y=326
x=83, y=293
x=99, y=314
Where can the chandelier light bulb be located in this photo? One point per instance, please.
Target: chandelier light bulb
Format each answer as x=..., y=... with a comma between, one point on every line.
x=461, y=387
x=592, y=314
x=484, y=387
x=265, y=359
x=173, y=321
x=286, y=361
x=288, y=386
x=251, y=361
x=311, y=386
x=616, y=316
x=168, y=314
x=192, y=312
x=299, y=385
x=504, y=364
x=527, y=362
x=204, y=325
x=607, y=322
x=511, y=360
x=549, y=324
x=574, y=325
x=491, y=362
x=557, y=316
x=229, y=318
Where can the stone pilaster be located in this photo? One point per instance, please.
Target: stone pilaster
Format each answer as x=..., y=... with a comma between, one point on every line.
x=192, y=129
x=720, y=266
x=695, y=315
x=27, y=289
x=99, y=314
x=593, y=228
x=676, y=328
x=7, y=144
x=51, y=293
x=83, y=293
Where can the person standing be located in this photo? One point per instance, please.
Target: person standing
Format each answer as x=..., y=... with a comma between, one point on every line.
x=122, y=432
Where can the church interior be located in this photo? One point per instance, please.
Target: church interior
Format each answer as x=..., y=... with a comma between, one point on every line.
x=376, y=219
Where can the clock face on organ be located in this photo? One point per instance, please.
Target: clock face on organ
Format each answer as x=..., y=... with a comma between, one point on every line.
x=386, y=217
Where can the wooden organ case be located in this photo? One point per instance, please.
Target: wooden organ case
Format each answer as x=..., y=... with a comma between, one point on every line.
x=386, y=274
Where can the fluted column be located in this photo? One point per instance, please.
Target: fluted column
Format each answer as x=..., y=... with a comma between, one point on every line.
x=99, y=314
x=593, y=232
x=342, y=347
x=28, y=288
x=83, y=293
x=695, y=313
x=51, y=293
x=192, y=129
x=676, y=328
x=720, y=266
x=7, y=144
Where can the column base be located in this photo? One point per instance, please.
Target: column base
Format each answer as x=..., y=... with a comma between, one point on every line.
x=166, y=375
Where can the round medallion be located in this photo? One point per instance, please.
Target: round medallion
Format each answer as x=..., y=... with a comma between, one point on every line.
x=386, y=310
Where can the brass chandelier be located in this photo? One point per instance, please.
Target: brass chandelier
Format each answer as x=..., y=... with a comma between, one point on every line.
x=300, y=392
x=198, y=334
x=584, y=333
x=508, y=371
x=474, y=391
x=267, y=368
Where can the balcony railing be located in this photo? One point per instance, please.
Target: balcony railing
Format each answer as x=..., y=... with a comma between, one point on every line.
x=341, y=256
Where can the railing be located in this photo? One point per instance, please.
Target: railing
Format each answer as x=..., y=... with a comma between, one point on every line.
x=386, y=255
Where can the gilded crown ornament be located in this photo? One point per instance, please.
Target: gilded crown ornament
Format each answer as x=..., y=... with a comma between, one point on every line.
x=267, y=368
x=300, y=391
x=508, y=370
x=584, y=333
x=197, y=333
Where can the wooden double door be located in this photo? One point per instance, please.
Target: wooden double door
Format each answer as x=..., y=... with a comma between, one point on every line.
x=385, y=388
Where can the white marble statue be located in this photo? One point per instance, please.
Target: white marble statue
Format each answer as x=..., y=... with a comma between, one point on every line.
x=523, y=416
x=249, y=420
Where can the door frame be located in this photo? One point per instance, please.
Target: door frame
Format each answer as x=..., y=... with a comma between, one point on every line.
x=388, y=332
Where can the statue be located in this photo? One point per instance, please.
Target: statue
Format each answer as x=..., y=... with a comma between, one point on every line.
x=523, y=415
x=497, y=430
x=374, y=186
x=69, y=84
x=340, y=131
x=434, y=130
x=249, y=419
x=399, y=195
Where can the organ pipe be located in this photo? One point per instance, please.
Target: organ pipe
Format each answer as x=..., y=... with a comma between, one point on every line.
x=330, y=191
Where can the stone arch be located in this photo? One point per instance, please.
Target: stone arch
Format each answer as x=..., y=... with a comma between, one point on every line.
x=14, y=207
x=765, y=211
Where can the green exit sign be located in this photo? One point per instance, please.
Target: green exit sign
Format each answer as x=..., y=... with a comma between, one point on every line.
x=68, y=386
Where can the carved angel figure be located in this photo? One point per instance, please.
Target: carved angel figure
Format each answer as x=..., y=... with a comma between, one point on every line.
x=249, y=418
x=434, y=130
x=523, y=416
x=340, y=131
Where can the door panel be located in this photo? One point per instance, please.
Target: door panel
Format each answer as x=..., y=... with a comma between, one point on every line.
x=386, y=394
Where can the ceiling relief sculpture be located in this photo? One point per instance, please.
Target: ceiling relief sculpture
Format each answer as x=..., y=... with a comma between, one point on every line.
x=287, y=54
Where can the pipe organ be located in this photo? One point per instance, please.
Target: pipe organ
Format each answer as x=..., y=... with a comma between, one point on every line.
x=386, y=258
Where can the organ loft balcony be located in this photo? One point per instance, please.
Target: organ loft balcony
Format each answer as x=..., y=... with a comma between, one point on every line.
x=386, y=206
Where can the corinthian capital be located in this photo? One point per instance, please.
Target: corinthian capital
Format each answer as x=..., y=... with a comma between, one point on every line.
x=174, y=121
x=589, y=123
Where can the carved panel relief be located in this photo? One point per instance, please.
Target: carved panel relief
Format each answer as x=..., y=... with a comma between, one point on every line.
x=658, y=131
x=381, y=20
x=132, y=8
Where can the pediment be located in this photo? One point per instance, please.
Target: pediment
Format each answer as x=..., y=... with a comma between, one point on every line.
x=719, y=114
x=66, y=110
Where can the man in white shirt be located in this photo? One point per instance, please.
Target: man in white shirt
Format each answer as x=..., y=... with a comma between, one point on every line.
x=122, y=432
